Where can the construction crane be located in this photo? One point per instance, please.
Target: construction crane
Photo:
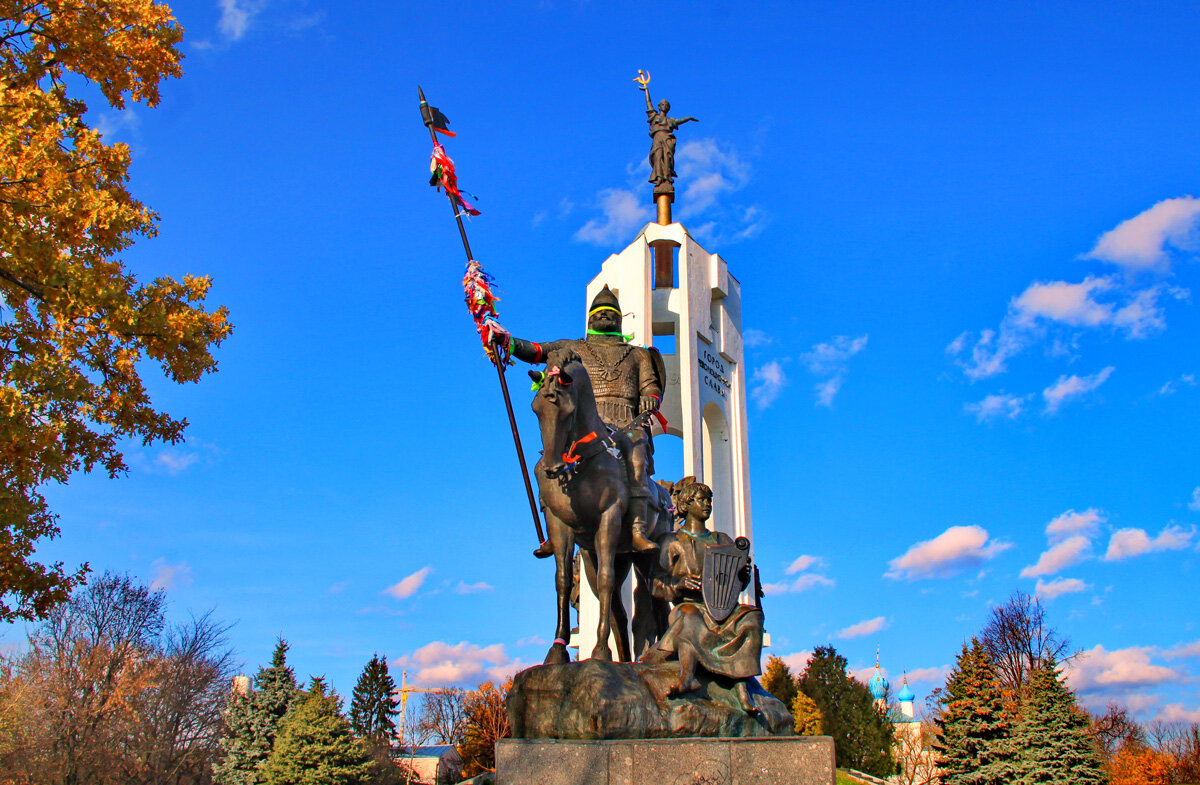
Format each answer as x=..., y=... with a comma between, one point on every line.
x=403, y=693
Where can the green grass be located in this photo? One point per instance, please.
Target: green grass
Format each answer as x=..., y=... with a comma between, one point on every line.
x=844, y=779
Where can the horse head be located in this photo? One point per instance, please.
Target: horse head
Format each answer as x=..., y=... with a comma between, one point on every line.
x=558, y=407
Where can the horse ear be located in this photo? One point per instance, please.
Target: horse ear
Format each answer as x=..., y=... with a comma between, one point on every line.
x=564, y=378
x=535, y=375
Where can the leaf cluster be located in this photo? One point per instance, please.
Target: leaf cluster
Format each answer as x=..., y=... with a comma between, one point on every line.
x=486, y=723
x=76, y=327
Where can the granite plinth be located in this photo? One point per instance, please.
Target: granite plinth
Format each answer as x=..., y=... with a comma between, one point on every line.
x=594, y=699
x=798, y=760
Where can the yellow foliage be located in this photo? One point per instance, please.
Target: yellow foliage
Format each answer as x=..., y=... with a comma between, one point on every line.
x=808, y=717
x=1133, y=766
x=74, y=323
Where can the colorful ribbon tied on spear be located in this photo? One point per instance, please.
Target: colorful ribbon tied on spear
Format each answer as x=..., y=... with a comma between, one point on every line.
x=442, y=175
x=481, y=302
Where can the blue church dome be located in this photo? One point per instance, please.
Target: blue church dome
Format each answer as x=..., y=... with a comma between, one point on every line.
x=878, y=685
x=906, y=693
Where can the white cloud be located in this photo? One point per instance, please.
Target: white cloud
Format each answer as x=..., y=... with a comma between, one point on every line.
x=867, y=627
x=1170, y=387
x=175, y=461
x=439, y=663
x=1068, y=388
x=1183, y=651
x=236, y=17
x=169, y=576
x=753, y=338
x=1059, y=587
x=1071, y=523
x=109, y=124
x=624, y=215
x=1194, y=504
x=831, y=359
x=803, y=563
x=935, y=675
x=999, y=405
x=1059, y=557
x=1175, y=713
x=1068, y=303
x=1127, y=543
x=471, y=588
x=1141, y=242
x=408, y=585
x=797, y=661
x=767, y=382
x=828, y=358
x=956, y=549
x=1098, y=669
x=802, y=583
x=709, y=172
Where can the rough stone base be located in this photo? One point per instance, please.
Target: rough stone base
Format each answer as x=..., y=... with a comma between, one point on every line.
x=799, y=760
x=593, y=699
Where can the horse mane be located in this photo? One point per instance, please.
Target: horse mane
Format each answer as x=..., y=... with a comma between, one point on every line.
x=569, y=361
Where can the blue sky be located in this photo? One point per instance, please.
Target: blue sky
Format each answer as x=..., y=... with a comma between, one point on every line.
x=967, y=245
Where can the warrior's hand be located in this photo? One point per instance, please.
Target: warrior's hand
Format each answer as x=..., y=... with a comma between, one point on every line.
x=497, y=334
x=648, y=403
x=691, y=582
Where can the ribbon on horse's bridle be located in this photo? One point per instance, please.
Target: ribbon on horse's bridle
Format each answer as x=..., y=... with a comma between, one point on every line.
x=574, y=460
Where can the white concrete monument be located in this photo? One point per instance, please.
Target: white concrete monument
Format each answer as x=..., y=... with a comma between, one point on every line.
x=696, y=323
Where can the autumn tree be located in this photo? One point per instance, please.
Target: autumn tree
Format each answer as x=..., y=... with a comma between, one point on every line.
x=974, y=729
x=486, y=723
x=76, y=326
x=1052, y=738
x=252, y=720
x=316, y=745
x=372, y=708
x=443, y=718
x=1018, y=640
x=107, y=691
x=806, y=716
x=778, y=680
x=862, y=734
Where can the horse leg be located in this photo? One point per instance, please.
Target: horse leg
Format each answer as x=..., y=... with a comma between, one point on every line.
x=620, y=619
x=645, y=621
x=606, y=551
x=564, y=550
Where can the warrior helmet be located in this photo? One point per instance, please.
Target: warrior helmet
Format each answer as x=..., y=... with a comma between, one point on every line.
x=605, y=300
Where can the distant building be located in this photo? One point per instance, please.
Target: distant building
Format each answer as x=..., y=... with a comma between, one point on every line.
x=432, y=765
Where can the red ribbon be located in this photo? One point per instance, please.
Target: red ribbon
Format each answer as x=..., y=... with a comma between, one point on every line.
x=448, y=179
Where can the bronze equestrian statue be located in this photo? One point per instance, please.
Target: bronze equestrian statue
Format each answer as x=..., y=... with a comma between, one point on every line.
x=585, y=493
x=628, y=382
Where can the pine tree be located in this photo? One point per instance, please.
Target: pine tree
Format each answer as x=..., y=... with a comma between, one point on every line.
x=808, y=719
x=252, y=721
x=315, y=745
x=372, y=709
x=1052, y=737
x=974, y=731
x=862, y=735
x=778, y=680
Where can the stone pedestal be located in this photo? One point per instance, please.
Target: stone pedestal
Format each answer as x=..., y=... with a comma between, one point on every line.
x=802, y=760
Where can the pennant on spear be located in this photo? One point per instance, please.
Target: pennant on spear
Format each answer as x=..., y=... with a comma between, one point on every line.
x=477, y=284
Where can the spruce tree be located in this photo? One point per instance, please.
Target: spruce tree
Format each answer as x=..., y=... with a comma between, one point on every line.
x=974, y=736
x=315, y=745
x=252, y=720
x=372, y=709
x=778, y=680
x=1053, y=739
x=862, y=735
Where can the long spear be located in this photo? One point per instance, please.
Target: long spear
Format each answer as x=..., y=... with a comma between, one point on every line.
x=444, y=171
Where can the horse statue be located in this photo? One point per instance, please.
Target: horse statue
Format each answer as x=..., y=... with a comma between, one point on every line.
x=583, y=485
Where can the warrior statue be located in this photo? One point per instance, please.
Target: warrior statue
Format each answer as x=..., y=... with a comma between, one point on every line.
x=628, y=382
x=662, y=134
x=702, y=572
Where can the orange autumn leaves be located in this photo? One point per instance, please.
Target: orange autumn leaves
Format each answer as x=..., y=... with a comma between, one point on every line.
x=76, y=327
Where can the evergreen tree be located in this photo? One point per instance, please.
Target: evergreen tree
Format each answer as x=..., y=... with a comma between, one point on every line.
x=315, y=745
x=252, y=721
x=974, y=734
x=778, y=680
x=807, y=717
x=372, y=709
x=1052, y=737
x=862, y=734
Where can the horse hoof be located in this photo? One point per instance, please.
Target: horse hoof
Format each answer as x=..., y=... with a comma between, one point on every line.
x=602, y=652
x=557, y=655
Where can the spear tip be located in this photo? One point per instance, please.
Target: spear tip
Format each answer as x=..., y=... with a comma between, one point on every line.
x=421, y=93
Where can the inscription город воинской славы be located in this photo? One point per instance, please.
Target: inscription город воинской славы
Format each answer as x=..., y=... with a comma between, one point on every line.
x=715, y=374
